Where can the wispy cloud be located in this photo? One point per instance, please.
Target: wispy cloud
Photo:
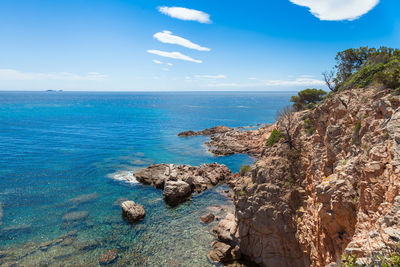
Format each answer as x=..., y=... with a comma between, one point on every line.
x=268, y=83
x=175, y=55
x=170, y=64
x=157, y=61
x=168, y=38
x=219, y=76
x=16, y=75
x=185, y=14
x=337, y=9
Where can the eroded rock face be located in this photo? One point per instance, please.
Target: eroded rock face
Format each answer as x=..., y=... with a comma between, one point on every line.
x=180, y=181
x=337, y=192
x=132, y=211
x=211, y=131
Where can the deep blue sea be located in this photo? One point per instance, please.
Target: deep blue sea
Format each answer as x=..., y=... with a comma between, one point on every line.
x=59, y=153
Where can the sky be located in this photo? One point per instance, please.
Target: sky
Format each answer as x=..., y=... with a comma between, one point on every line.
x=193, y=45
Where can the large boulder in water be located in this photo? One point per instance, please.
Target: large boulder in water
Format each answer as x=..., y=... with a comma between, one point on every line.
x=176, y=192
x=132, y=211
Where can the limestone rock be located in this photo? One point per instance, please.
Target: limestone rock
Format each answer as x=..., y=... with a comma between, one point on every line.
x=132, y=211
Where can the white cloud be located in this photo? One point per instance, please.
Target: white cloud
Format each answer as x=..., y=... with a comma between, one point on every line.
x=168, y=38
x=337, y=9
x=15, y=75
x=269, y=83
x=219, y=76
x=185, y=14
x=296, y=82
x=175, y=55
x=170, y=64
x=157, y=61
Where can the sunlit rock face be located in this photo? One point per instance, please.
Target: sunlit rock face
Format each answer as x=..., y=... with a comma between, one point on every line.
x=336, y=193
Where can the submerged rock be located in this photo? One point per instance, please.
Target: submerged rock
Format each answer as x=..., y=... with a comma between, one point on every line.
x=75, y=216
x=213, y=130
x=108, y=257
x=1, y=214
x=83, y=199
x=132, y=211
x=180, y=181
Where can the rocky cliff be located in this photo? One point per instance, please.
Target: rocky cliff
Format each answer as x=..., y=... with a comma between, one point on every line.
x=335, y=193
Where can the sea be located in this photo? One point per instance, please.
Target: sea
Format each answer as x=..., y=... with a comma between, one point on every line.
x=66, y=162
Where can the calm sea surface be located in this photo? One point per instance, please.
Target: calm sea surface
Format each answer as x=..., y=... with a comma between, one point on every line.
x=59, y=153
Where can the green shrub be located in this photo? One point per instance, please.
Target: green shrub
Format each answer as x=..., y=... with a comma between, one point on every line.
x=390, y=76
x=244, y=170
x=396, y=91
x=307, y=99
x=349, y=260
x=357, y=126
x=274, y=137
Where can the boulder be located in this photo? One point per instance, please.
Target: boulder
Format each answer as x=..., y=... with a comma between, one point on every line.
x=207, y=218
x=176, y=192
x=132, y=211
x=108, y=257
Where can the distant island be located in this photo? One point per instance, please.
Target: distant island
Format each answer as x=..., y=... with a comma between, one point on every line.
x=50, y=90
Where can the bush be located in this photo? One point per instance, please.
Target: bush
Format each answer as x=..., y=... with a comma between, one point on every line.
x=274, y=137
x=244, y=170
x=357, y=126
x=307, y=98
x=390, y=76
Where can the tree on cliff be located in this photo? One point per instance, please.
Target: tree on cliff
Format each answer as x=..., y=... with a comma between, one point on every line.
x=307, y=98
x=364, y=64
x=286, y=118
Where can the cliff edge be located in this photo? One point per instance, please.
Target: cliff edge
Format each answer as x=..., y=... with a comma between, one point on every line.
x=335, y=193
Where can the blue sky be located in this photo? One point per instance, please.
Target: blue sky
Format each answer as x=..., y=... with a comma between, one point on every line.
x=116, y=45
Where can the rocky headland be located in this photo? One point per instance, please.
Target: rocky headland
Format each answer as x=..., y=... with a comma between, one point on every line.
x=335, y=194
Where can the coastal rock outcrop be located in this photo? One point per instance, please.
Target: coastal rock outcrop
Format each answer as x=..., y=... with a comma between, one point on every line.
x=180, y=181
x=211, y=131
x=132, y=212
x=336, y=192
x=241, y=142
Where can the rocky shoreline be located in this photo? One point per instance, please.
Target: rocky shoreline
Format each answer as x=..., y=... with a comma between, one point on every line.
x=336, y=193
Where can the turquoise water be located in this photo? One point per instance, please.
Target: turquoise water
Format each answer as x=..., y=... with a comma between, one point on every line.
x=57, y=146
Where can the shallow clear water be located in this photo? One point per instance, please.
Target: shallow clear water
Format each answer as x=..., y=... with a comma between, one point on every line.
x=56, y=146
